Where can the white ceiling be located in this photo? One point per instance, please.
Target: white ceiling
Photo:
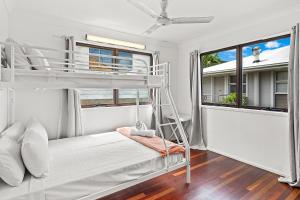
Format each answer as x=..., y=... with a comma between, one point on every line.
x=121, y=16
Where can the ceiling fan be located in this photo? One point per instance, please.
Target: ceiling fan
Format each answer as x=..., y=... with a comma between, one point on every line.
x=162, y=19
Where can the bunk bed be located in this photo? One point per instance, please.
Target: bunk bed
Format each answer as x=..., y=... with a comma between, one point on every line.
x=93, y=166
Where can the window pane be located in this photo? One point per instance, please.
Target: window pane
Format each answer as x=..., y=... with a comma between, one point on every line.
x=125, y=61
x=281, y=101
x=219, y=70
x=281, y=87
x=95, y=97
x=106, y=60
x=232, y=88
x=128, y=96
x=96, y=62
x=261, y=63
x=244, y=89
x=282, y=76
x=232, y=79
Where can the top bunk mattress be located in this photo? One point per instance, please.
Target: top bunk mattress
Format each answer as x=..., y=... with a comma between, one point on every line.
x=82, y=166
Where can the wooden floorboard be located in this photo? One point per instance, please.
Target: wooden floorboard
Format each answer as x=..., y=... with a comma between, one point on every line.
x=214, y=177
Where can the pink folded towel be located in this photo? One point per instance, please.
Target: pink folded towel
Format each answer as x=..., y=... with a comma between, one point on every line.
x=155, y=143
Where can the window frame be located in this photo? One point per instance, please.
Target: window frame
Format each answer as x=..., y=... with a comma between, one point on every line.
x=115, y=91
x=239, y=75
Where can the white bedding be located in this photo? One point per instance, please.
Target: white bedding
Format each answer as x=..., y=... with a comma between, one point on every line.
x=85, y=165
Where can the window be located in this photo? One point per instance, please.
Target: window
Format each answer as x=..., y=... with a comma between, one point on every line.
x=96, y=97
x=128, y=96
x=254, y=75
x=112, y=97
x=281, y=86
x=232, y=84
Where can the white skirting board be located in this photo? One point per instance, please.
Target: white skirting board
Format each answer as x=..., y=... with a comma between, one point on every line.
x=280, y=173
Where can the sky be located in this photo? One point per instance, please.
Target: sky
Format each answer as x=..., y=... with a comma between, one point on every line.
x=230, y=55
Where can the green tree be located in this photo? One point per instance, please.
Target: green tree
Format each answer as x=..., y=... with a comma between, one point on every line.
x=211, y=59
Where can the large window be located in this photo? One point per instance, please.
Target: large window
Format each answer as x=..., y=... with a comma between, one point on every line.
x=252, y=75
x=112, y=97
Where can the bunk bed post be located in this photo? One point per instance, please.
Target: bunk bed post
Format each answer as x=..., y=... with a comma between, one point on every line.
x=179, y=125
x=12, y=64
x=11, y=91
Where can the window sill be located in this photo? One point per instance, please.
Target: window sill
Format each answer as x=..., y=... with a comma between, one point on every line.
x=245, y=110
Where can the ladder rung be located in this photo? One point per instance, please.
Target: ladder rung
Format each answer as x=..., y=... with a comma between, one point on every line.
x=167, y=124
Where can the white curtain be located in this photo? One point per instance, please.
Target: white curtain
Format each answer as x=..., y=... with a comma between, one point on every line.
x=73, y=126
x=196, y=136
x=293, y=109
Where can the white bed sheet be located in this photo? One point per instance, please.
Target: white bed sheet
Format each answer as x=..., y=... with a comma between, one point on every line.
x=81, y=166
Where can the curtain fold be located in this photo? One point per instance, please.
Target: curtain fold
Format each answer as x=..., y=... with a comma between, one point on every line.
x=72, y=98
x=293, y=109
x=196, y=138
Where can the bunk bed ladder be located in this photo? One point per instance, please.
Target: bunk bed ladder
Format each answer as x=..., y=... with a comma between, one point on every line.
x=164, y=93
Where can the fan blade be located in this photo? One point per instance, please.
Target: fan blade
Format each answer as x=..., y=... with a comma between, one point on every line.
x=152, y=29
x=191, y=20
x=143, y=8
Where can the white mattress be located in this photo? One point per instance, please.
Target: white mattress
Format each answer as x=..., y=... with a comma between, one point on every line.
x=85, y=165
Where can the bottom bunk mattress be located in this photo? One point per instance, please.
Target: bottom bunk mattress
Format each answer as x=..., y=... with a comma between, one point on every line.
x=82, y=166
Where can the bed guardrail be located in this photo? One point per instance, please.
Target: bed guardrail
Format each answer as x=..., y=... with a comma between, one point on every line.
x=31, y=58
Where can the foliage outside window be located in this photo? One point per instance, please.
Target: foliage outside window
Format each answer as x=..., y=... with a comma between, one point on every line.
x=252, y=75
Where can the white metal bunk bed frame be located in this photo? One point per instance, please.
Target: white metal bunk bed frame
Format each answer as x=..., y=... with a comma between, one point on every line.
x=68, y=68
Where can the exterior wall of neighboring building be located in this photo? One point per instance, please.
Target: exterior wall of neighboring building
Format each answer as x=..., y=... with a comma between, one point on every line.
x=251, y=88
x=219, y=88
x=260, y=88
x=265, y=88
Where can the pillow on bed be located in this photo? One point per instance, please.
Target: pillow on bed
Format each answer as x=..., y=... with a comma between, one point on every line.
x=38, y=63
x=20, y=58
x=35, y=149
x=14, y=132
x=12, y=169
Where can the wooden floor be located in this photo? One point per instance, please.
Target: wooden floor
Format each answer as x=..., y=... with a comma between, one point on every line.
x=214, y=177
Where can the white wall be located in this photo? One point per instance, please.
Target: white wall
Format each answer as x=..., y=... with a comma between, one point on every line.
x=104, y=119
x=3, y=20
x=44, y=30
x=257, y=139
x=45, y=105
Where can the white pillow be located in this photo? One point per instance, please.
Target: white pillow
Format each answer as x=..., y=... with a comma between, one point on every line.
x=20, y=58
x=39, y=63
x=12, y=169
x=35, y=149
x=14, y=132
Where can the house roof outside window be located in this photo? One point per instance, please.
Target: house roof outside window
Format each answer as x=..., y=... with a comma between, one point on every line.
x=268, y=59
